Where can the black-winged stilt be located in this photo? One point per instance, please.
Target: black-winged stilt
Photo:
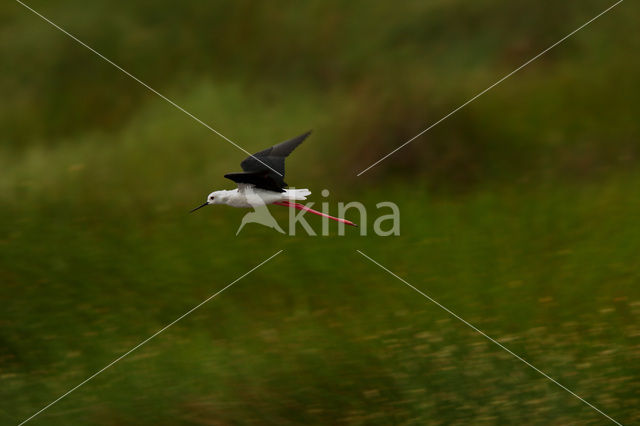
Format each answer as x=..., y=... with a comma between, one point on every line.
x=262, y=182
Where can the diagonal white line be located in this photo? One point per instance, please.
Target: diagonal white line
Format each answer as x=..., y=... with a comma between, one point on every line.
x=145, y=85
x=491, y=87
x=476, y=329
x=148, y=338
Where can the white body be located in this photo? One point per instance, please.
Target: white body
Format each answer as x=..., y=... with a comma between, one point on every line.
x=249, y=196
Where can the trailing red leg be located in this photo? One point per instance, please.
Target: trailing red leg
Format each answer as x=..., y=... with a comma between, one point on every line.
x=307, y=209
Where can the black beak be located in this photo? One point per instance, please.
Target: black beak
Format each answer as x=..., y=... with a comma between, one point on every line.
x=199, y=207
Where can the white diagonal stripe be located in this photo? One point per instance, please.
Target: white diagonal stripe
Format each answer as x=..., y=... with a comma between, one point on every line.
x=492, y=86
x=145, y=85
x=476, y=329
x=147, y=339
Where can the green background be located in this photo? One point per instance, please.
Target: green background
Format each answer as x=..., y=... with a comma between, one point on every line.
x=519, y=213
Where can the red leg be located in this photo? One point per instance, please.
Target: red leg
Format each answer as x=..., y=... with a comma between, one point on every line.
x=307, y=209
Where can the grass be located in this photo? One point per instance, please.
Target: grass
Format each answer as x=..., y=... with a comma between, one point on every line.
x=320, y=334
x=518, y=214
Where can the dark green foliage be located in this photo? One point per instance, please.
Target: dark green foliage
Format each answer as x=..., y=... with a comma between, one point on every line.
x=519, y=213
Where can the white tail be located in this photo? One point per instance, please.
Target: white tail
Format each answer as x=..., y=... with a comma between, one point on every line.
x=297, y=194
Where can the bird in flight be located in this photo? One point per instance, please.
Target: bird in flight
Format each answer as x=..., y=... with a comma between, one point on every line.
x=262, y=182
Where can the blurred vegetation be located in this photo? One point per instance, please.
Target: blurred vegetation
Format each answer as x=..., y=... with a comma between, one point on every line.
x=519, y=213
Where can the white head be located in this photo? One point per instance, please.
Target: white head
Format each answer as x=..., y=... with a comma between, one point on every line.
x=216, y=197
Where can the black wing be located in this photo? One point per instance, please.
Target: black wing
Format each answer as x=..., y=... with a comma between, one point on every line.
x=265, y=169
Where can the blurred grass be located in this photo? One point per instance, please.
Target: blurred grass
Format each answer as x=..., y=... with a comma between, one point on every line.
x=519, y=213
